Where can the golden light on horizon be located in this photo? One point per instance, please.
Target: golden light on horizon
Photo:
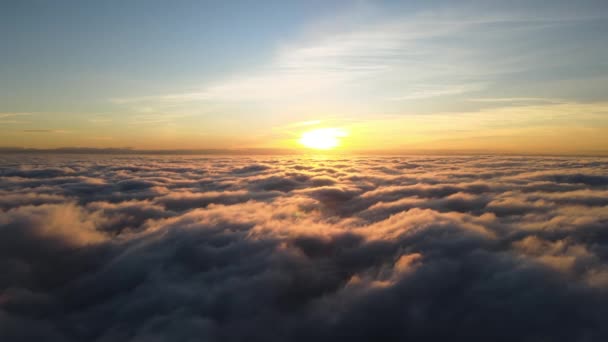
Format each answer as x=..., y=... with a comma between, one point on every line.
x=322, y=138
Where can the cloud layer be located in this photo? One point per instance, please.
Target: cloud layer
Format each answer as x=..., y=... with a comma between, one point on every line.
x=132, y=248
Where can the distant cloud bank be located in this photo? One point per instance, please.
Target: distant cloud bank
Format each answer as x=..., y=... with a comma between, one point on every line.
x=291, y=248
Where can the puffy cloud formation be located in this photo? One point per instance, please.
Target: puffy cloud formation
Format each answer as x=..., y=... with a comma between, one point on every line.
x=301, y=249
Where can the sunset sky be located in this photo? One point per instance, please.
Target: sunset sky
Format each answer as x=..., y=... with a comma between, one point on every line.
x=517, y=76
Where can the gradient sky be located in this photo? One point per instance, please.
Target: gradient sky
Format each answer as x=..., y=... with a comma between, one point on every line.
x=504, y=76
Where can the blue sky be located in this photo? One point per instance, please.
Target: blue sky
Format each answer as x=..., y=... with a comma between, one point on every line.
x=203, y=74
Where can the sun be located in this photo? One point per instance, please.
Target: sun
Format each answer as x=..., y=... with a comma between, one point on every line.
x=322, y=138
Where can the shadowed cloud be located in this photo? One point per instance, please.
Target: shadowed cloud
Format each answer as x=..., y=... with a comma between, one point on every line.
x=179, y=248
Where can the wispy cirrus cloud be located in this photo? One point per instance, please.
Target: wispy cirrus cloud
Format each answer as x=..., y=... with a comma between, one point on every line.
x=13, y=118
x=433, y=52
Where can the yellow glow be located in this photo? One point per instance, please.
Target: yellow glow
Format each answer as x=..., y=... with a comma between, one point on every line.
x=322, y=138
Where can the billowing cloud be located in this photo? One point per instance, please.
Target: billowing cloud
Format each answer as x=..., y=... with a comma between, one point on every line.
x=293, y=248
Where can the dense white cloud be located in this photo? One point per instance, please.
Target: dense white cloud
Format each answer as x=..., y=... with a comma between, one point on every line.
x=294, y=248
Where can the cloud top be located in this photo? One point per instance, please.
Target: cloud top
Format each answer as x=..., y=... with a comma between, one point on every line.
x=175, y=248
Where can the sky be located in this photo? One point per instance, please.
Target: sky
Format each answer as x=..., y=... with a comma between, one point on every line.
x=401, y=76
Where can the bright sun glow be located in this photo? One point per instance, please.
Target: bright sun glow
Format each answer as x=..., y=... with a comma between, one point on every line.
x=322, y=138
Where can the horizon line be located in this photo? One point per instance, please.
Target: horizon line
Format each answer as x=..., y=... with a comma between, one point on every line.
x=284, y=151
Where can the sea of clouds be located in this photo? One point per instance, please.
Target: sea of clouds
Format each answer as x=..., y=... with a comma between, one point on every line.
x=194, y=248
